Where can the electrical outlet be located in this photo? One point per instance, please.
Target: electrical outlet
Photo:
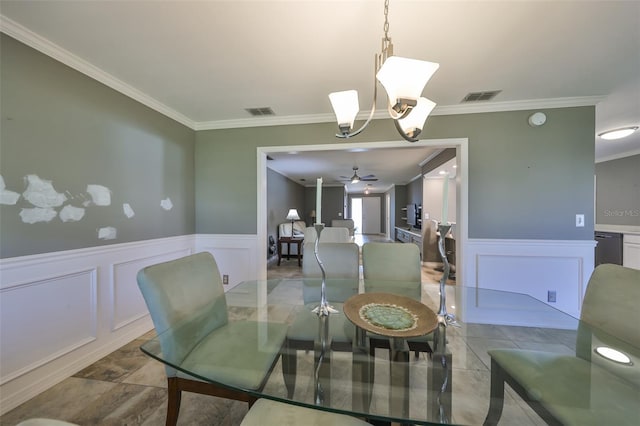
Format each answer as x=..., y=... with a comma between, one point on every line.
x=225, y=279
x=579, y=221
x=426, y=216
x=551, y=296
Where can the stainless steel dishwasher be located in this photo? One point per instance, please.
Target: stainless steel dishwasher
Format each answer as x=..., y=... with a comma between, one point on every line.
x=608, y=248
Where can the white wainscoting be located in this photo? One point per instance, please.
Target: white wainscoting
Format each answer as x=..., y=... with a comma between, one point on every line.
x=236, y=255
x=62, y=311
x=532, y=267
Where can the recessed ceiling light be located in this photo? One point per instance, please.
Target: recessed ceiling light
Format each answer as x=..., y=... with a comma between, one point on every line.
x=613, y=355
x=442, y=172
x=618, y=133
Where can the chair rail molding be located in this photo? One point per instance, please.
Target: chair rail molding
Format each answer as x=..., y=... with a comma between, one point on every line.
x=532, y=267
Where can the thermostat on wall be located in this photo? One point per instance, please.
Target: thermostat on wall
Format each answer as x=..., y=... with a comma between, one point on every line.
x=537, y=119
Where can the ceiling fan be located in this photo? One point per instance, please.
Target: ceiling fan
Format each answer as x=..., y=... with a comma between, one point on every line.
x=355, y=178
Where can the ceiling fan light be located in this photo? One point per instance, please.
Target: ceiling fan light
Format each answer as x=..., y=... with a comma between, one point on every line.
x=345, y=106
x=405, y=78
x=355, y=178
x=618, y=133
x=413, y=123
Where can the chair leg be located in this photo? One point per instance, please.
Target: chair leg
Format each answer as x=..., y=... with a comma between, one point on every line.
x=497, y=395
x=289, y=368
x=173, y=403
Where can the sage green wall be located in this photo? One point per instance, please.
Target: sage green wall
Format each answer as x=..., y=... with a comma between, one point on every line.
x=67, y=128
x=524, y=182
x=618, y=191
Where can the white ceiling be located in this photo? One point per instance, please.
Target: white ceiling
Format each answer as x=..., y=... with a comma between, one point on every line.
x=204, y=62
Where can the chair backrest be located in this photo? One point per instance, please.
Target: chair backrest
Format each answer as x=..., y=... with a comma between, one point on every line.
x=186, y=301
x=328, y=235
x=391, y=262
x=344, y=223
x=610, y=317
x=392, y=268
x=340, y=260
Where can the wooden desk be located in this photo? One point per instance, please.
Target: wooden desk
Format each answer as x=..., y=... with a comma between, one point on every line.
x=288, y=241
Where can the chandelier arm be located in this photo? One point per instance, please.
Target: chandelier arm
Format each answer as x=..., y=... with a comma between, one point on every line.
x=376, y=67
x=366, y=123
x=403, y=134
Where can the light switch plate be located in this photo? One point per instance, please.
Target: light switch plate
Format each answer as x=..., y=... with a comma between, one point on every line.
x=579, y=221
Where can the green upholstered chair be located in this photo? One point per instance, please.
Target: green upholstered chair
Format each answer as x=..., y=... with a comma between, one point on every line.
x=189, y=311
x=266, y=412
x=328, y=235
x=341, y=261
x=394, y=268
x=585, y=389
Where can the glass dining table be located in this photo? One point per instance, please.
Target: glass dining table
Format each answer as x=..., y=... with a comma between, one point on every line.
x=448, y=385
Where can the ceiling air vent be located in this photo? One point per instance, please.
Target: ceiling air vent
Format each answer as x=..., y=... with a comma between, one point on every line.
x=481, y=96
x=259, y=112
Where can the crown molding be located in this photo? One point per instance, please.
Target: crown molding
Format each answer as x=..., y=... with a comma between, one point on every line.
x=577, y=101
x=51, y=49
x=478, y=108
x=265, y=121
x=618, y=156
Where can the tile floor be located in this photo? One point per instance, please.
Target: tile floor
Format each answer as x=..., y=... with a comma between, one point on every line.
x=128, y=388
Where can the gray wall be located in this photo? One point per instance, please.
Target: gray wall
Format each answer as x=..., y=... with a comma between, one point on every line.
x=524, y=182
x=332, y=203
x=282, y=194
x=69, y=129
x=618, y=192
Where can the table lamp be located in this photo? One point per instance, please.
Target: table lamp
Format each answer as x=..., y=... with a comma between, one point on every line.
x=293, y=216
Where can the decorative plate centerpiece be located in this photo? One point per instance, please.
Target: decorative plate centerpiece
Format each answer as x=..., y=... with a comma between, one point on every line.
x=390, y=315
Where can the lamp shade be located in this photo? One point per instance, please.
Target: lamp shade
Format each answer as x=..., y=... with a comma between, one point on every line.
x=345, y=107
x=413, y=123
x=293, y=215
x=405, y=78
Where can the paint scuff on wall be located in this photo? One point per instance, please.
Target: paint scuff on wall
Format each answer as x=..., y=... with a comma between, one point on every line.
x=166, y=204
x=37, y=214
x=7, y=197
x=100, y=195
x=107, y=233
x=41, y=193
x=128, y=211
x=71, y=214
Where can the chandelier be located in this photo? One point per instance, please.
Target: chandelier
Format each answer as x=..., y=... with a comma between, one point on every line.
x=403, y=79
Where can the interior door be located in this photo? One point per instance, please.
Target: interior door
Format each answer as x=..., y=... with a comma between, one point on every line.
x=371, y=215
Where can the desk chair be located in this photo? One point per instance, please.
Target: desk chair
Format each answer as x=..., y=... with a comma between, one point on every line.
x=584, y=389
x=384, y=263
x=188, y=307
x=341, y=261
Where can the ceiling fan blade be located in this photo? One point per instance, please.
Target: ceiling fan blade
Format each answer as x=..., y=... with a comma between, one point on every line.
x=369, y=179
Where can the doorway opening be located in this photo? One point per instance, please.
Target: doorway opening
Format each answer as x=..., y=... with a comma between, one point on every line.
x=356, y=214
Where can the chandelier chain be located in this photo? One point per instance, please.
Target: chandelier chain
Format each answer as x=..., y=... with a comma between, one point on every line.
x=386, y=20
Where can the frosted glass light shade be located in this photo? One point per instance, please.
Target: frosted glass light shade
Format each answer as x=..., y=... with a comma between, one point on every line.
x=618, y=133
x=405, y=78
x=345, y=107
x=413, y=123
x=293, y=215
